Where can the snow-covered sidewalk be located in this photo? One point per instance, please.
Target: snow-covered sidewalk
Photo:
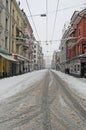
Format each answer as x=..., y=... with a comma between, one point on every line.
x=78, y=85
x=12, y=85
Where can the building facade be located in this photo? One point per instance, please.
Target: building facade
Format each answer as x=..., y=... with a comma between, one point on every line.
x=76, y=44
x=38, y=57
x=16, y=41
x=4, y=37
x=20, y=39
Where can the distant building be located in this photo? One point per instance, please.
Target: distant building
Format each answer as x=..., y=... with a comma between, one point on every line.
x=55, y=64
x=38, y=57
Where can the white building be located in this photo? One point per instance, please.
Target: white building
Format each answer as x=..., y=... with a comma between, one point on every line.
x=38, y=56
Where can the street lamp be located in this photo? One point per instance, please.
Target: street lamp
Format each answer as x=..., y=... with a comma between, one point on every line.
x=43, y=15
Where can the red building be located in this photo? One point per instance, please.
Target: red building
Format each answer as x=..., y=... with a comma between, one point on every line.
x=76, y=44
x=77, y=35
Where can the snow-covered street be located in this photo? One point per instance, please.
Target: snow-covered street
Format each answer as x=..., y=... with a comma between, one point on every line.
x=43, y=100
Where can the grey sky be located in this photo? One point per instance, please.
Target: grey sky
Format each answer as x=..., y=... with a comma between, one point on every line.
x=65, y=11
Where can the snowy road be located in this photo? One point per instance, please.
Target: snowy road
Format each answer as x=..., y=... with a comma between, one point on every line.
x=41, y=101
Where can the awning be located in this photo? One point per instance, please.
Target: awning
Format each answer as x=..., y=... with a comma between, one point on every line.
x=8, y=57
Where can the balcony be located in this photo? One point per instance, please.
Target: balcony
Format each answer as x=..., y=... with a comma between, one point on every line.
x=19, y=40
x=26, y=35
x=71, y=41
x=26, y=47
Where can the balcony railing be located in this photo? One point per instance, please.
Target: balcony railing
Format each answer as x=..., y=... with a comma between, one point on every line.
x=71, y=41
x=19, y=42
x=25, y=46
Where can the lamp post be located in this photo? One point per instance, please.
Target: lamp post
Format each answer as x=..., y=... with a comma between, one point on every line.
x=43, y=15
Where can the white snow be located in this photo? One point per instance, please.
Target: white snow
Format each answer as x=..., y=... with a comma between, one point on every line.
x=78, y=85
x=11, y=86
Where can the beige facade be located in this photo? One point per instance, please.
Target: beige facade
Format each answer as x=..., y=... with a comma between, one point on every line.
x=29, y=41
x=16, y=29
x=19, y=43
x=38, y=56
x=4, y=25
x=16, y=40
x=63, y=50
x=4, y=37
x=54, y=60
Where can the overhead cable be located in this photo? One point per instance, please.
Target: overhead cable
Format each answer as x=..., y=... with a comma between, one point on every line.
x=46, y=20
x=54, y=11
x=55, y=20
x=32, y=19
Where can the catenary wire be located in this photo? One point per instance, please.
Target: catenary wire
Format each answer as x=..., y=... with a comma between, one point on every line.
x=46, y=22
x=32, y=19
x=54, y=11
x=55, y=20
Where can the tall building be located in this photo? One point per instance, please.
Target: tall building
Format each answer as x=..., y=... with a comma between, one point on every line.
x=75, y=45
x=16, y=40
x=20, y=39
x=4, y=37
x=38, y=57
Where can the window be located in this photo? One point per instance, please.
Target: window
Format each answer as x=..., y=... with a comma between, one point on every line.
x=13, y=13
x=34, y=46
x=18, y=20
x=79, y=32
x=12, y=30
x=0, y=40
x=78, y=67
x=12, y=46
x=34, y=61
x=75, y=68
x=34, y=56
x=34, y=51
x=6, y=24
x=7, y=4
x=6, y=42
x=0, y=16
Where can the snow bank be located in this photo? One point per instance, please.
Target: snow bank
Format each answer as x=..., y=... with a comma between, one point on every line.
x=12, y=85
x=78, y=85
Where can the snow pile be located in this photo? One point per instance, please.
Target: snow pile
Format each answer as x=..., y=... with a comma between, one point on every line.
x=78, y=85
x=12, y=85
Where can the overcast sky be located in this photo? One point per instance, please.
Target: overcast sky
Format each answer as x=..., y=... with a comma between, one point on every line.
x=65, y=11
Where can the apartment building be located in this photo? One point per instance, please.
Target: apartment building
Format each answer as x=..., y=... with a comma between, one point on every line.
x=16, y=41
x=4, y=37
x=76, y=44
x=38, y=57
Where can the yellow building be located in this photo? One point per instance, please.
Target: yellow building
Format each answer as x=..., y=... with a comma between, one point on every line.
x=16, y=29
x=4, y=37
x=14, y=49
x=17, y=39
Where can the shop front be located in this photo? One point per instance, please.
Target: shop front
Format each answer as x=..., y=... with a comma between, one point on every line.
x=7, y=65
